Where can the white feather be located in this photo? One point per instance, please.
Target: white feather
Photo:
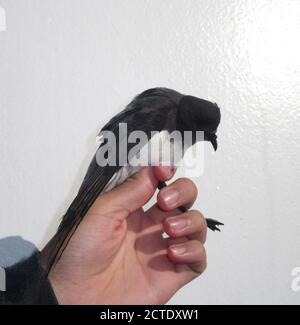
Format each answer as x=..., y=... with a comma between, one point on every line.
x=160, y=143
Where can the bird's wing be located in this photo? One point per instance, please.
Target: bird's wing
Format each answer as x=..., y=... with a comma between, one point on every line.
x=94, y=182
x=151, y=98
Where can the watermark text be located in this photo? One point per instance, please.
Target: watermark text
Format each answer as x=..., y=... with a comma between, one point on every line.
x=138, y=149
x=296, y=279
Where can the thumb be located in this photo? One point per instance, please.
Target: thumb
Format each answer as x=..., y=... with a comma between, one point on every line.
x=128, y=197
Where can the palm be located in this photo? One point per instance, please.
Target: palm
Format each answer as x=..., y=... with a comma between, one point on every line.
x=118, y=257
x=144, y=264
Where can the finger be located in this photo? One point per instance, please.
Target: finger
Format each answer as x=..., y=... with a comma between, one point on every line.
x=191, y=253
x=189, y=190
x=133, y=194
x=183, y=192
x=158, y=216
x=190, y=224
x=164, y=173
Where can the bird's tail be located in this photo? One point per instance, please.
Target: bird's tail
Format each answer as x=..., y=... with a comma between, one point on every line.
x=87, y=195
x=56, y=246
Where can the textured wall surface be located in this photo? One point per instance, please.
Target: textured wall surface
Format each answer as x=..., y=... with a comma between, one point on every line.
x=66, y=66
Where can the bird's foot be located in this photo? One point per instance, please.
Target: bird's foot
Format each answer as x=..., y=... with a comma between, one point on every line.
x=214, y=224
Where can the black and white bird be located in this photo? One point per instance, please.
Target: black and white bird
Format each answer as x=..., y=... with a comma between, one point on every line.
x=159, y=109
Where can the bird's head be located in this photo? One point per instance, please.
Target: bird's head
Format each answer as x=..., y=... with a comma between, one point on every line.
x=195, y=114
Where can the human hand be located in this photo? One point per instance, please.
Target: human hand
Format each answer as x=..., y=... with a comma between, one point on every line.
x=118, y=254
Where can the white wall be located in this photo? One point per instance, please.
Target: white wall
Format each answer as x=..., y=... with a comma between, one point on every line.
x=66, y=66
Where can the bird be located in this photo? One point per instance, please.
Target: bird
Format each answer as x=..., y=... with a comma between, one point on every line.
x=162, y=110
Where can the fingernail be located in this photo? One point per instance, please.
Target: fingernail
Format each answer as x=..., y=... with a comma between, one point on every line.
x=171, y=198
x=178, y=249
x=178, y=223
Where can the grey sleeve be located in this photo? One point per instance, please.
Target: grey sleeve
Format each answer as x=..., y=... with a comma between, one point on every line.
x=22, y=278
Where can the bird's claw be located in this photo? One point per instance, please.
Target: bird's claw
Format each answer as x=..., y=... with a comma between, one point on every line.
x=214, y=224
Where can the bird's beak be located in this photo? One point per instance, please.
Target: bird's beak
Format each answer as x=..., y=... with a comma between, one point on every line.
x=214, y=143
x=212, y=138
